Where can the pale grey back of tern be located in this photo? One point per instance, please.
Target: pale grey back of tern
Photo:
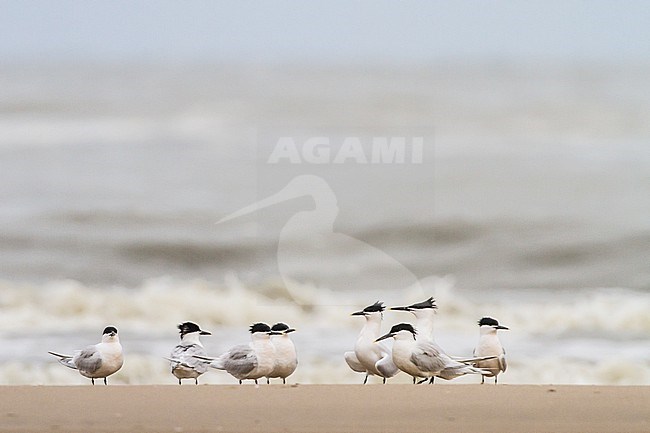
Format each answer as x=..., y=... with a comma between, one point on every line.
x=98, y=361
x=421, y=358
x=368, y=356
x=286, y=359
x=184, y=365
x=248, y=361
x=489, y=345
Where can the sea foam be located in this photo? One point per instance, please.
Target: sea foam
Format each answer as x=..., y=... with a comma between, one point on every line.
x=586, y=336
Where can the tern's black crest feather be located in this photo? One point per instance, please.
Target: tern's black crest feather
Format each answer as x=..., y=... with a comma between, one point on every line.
x=279, y=327
x=188, y=327
x=110, y=329
x=429, y=303
x=259, y=327
x=377, y=307
x=488, y=321
x=403, y=327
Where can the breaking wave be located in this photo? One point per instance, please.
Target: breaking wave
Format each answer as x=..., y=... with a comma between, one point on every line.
x=597, y=336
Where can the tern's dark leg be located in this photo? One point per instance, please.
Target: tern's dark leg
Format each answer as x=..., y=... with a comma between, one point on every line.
x=495, y=379
x=365, y=380
x=284, y=381
x=384, y=381
x=196, y=381
x=92, y=380
x=268, y=381
x=240, y=381
x=414, y=380
x=256, y=382
x=179, y=382
x=423, y=380
x=482, y=379
x=431, y=380
x=105, y=383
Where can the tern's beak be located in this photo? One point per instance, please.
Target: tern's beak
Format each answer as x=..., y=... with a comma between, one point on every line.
x=358, y=313
x=287, y=331
x=502, y=327
x=383, y=337
x=205, y=333
x=275, y=333
x=400, y=308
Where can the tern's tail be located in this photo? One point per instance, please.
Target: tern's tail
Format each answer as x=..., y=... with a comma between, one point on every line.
x=454, y=372
x=213, y=362
x=475, y=359
x=178, y=363
x=64, y=360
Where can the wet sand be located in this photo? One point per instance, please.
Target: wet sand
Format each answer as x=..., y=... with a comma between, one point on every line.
x=325, y=408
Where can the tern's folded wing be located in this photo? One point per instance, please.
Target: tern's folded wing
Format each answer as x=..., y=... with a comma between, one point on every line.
x=353, y=362
x=502, y=361
x=427, y=358
x=88, y=360
x=386, y=366
x=240, y=360
x=190, y=356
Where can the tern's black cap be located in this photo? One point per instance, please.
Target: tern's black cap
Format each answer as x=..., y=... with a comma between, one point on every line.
x=110, y=330
x=377, y=307
x=259, y=327
x=402, y=327
x=488, y=321
x=396, y=329
x=429, y=303
x=281, y=327
x=424, y=305
x=189, y=327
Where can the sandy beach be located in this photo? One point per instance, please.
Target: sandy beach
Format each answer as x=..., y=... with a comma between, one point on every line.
x=325, y=408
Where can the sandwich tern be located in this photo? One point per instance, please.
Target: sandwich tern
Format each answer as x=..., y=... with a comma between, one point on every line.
x=98, y=361
x=424, y=313
x=422, y=358
x=248, y=361
x=286, y=359
x=183, y=363
x=368, y=356
x=489, y=345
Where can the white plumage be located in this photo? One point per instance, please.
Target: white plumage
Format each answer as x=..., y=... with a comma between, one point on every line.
x=490, y=345
x=248, y=361
x=98, y=361
x=183, y=359
x=369, y=357
x=286, y=358
x=423, y=358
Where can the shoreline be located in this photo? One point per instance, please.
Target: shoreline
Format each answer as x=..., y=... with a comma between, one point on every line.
x=325, y=408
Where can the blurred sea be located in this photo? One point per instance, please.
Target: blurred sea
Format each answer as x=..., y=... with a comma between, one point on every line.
x=532, y=205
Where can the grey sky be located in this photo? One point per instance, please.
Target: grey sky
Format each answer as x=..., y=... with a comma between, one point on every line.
x=325, y=31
